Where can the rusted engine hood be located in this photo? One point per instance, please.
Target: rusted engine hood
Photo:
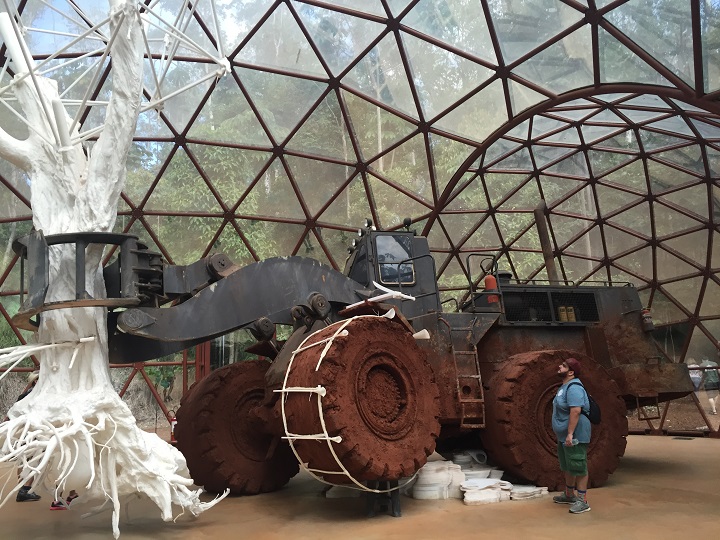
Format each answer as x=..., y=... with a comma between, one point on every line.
x=665, y=380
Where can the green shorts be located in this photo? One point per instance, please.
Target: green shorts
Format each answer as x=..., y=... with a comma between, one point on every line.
x=573, y=459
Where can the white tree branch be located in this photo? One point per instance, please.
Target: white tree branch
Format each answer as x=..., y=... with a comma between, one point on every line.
x=14, y=150
x=106, y=171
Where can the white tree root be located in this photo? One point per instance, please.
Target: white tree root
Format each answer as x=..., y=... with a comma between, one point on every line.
x=98, y=451
x=90, y=442
x=73, y=431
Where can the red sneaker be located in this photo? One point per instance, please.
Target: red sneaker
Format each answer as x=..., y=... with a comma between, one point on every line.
x=58, y=505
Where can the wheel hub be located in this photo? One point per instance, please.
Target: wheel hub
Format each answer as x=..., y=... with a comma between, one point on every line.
x=244, y=431
x=385, y=397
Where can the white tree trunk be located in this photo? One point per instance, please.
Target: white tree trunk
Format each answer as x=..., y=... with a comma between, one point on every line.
x=73, y=431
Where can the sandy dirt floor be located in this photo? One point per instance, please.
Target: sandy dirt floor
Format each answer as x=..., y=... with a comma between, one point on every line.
x=666, y=488
x=682, y=415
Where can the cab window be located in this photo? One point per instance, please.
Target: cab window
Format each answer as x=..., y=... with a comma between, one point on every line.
x=391, y=251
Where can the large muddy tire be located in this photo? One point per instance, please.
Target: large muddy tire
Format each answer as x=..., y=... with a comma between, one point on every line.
x=381, y=399
x=519, y=435
x=223, y=441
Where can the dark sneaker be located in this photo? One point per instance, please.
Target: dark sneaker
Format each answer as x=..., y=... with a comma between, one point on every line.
x=70, y=499
x=579, y=507
x=57, y=505
x=24, y=496
x=564, y=499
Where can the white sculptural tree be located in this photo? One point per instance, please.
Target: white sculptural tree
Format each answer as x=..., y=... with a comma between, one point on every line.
x=74, y=431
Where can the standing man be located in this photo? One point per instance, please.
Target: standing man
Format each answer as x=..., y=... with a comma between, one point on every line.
x=572, y=429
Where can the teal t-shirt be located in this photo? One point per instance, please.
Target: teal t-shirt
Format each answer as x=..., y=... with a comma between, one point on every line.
x=571, y=394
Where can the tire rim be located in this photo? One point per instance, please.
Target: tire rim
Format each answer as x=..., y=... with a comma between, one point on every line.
x=385, y=396
x=243, y=427
x=543, y=414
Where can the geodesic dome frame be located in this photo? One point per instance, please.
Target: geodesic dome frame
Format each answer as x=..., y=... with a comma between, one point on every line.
x=460, y=114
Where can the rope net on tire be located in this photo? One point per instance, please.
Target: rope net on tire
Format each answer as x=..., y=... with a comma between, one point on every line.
x=320, y=392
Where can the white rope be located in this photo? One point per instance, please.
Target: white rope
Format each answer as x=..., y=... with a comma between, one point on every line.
x=321, y=392
x=389, y=294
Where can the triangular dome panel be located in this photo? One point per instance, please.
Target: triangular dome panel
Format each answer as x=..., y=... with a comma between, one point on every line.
x=617, y=241
x=639, y=262
x=381, y=76
x=441, y=77
x=663, y=178
x=610, y=200
x=479, y=116
x=527, y=198
x=630, y=176
x=393, y=206
x=318, y=181
x=659, y=31
x=272, y=196
x=472, y=197
x=339, y=37
x=227, y=117
x=563, y=66
x=618, y=63
x=230, y=170
x=269, y=92
x=556, y=188
x=589, y=245
x=529, y=240
x=325, y=133
x=517, y=161
x=275, y=239
x=580, y=204
x=180, y=108
x=512, y=225
x=636, y=218
x=458, y=226
x=710, y=299
x=566, y=228
x=144, y=161
x=694, y=246
x=665, y=311
x=458, y=23
x=374, y=128
x=407, y=166
x=350, y=208
x=231, y=244
x=669, y=221
x=233, y=24
x=602, y=161
x=686, y=292
x=670, y=267
x=688, y=157
x=447, y=156
x=280, y=44
x=453, y=275
x=182, y=189
x=498, y=185
x=526, y=26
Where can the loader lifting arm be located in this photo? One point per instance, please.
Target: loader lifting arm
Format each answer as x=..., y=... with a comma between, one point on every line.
x=204, y=300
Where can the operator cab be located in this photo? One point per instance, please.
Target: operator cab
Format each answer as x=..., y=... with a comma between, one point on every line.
x=396, y=260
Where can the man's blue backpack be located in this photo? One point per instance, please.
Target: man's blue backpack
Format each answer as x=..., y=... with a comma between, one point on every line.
x=593, y=414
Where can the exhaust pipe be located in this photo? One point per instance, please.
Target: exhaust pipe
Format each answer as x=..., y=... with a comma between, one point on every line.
x=545, y=242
